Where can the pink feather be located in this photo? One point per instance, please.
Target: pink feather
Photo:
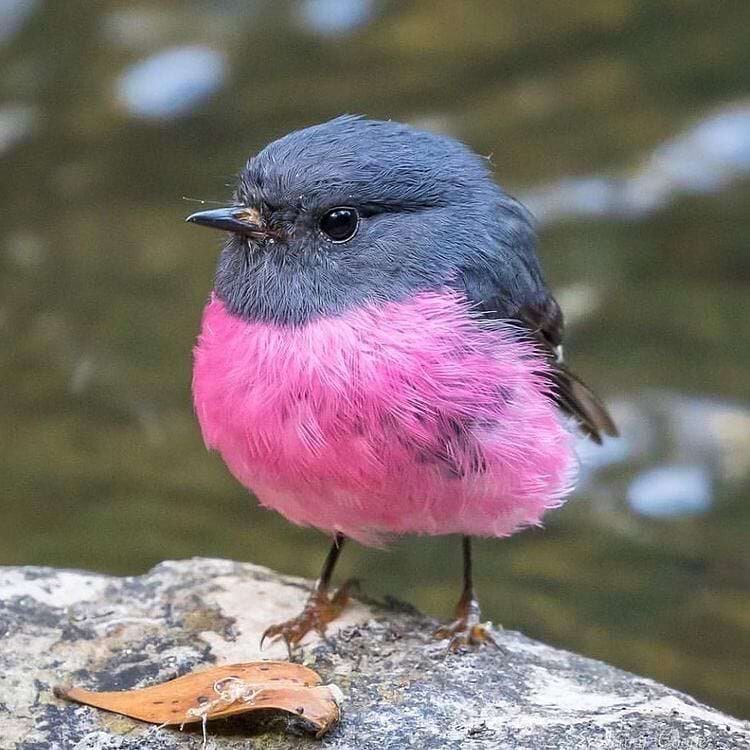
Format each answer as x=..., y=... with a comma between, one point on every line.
x=398, y=417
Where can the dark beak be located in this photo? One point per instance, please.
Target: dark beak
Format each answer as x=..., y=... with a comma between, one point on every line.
x=237, y=219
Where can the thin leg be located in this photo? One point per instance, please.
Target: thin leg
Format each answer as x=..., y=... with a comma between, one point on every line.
x=467, y=629
x=330, y=562
x=320, y=608
x=468, y=589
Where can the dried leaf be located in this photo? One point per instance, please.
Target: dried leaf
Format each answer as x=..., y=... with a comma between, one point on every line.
x=224, y=691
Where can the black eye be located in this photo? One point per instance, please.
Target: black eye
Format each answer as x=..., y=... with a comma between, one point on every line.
x=340, y=224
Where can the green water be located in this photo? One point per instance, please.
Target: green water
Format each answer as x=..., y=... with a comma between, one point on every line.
x=101, y=288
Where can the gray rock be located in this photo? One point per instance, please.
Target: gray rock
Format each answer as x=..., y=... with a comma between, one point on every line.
x=402, y=689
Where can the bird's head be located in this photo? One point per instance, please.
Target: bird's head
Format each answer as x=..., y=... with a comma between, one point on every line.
x=354, y=211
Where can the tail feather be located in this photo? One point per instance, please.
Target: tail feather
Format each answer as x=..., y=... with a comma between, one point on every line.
x=577, y=399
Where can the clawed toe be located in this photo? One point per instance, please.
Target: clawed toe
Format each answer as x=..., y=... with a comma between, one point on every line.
x=467, y=630
x=319, y=610
x=463, y=634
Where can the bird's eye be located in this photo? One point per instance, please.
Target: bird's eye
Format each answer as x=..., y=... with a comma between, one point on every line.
x=340, y=224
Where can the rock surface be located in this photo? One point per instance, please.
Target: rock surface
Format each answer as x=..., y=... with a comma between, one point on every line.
x=401, y=688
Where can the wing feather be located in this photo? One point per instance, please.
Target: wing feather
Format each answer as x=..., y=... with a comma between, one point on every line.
x=544, y=320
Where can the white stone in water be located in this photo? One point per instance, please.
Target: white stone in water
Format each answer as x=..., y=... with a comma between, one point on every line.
x=401, y=688
x=674, y=490
x=708, y=156
x=716, y=430
x=13, y=15
x=703, y=159
x=172, y=82
x=335, y=16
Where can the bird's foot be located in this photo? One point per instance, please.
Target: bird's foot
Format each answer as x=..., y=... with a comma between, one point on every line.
x=466, y=630
x=462, y=634
x=320, y=609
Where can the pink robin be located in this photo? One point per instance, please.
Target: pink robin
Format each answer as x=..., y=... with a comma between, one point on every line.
x=380, y=354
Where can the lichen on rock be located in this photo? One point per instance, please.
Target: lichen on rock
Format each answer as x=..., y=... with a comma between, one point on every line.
x=401, y=688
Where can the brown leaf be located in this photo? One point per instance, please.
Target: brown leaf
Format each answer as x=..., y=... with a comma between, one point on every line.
x=223, y=691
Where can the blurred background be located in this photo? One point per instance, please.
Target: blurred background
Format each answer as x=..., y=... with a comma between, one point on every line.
x=623, y=124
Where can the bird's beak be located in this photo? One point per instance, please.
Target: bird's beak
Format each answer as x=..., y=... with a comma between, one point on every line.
x=237, y=219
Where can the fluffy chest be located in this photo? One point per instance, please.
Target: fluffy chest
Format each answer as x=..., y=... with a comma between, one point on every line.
x=423, y=375
x=395, y=418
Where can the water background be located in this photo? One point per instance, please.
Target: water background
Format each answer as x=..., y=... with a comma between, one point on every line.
x=624, y=125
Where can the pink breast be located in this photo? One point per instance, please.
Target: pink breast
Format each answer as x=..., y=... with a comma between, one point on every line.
x=401, y=417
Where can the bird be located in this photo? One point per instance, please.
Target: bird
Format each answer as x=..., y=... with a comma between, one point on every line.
x=380, y=354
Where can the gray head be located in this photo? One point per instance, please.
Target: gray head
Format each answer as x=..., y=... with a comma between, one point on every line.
x=353, y=211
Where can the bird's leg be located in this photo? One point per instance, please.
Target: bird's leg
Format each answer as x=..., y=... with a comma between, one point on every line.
x=467, y=629
x=320, y=608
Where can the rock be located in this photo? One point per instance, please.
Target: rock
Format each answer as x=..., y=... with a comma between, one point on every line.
x=401, y=689
x=172, y=82
x=333, y=17
x=13, y=15
x=703, y=160
x=671, y=490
